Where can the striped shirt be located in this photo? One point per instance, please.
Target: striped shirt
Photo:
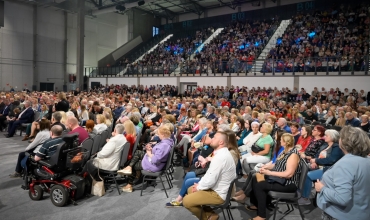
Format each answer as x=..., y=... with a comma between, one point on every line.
x=49, y=147
x=280, y=166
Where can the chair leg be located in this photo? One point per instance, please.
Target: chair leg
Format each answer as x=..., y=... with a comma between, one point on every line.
x=300, y=211
x=142, y=186
x=168, y=181
x=223, y=213
x=276, y=206
x=163, y=186
x=115, y=181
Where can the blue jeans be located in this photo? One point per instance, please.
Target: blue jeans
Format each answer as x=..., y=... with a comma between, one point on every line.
x=189, y=180
x=311, y=176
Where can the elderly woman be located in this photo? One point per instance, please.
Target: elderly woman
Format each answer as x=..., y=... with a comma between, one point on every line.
x=153, y=159
x=365, y=125
x=265, y=144
x=287, y=166
x=100, y=124
x=344, y=189
x=249, y=140
x=316, y=142
x=328, y=155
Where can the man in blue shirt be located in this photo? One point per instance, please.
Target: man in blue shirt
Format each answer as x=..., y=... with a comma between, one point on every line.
x=351, y=120
x=282, y=124
x=118, y=111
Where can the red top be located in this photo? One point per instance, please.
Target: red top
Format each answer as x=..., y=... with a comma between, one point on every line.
x=303, y=142
x=82, y=134
x=131, y=139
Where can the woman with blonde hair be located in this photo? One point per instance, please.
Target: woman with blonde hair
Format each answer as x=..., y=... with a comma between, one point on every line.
x=130, y=134
x=84, y=114
x=233, y=123
x=100, y=124
x=296, y=116
x=341, y=121
x=152, y=159
x=330, y=117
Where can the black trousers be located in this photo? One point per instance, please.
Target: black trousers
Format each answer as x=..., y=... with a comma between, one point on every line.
x=135, y=164
x=2, y=122
x=260, y=191
x=19, y=167
x=247, y=187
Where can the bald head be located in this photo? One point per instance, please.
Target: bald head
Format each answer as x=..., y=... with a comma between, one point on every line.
x=72, y=122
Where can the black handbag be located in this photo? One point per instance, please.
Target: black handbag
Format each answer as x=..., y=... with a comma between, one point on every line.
x=275, y=179
x=255, y=148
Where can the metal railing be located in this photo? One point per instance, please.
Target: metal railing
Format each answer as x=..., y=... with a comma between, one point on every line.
x=311, y=66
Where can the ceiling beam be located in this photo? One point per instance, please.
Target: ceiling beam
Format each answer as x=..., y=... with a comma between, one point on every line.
x=187, y=9
x=171, y=15
x=232, y=4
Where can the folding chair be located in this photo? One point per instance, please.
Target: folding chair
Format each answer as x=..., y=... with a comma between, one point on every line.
x=226, y=205
x=159, y=174
x=103, y=139
x=88, y=145
x=96, y=143
x=290, y=198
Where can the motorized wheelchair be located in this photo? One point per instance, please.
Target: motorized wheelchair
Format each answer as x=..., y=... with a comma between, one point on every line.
x=57, y=175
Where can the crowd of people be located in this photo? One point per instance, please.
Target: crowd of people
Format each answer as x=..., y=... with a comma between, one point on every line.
x=326, y=40
x=264, y=134
x=234, y=49
x=166, y=56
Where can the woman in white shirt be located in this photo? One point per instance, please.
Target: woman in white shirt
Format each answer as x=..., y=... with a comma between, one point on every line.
x=250, y=139
x=84, y=114
x=233, y=125
x=100, y=124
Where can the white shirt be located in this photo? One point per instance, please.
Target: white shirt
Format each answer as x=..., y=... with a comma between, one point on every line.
x=249, y=141
x=99, y=128
x=108, y=158
x=221, y=172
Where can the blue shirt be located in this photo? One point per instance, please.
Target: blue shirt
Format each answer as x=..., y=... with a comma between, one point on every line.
x=199, y=136
x=287, y=129
x=275, y=155
x=346, y=190
x=117, y=112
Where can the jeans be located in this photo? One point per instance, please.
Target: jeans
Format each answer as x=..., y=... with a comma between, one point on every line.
x=311, y=176
x=189, y=180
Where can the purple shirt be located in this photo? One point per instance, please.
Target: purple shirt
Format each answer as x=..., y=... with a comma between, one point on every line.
x=160, y=152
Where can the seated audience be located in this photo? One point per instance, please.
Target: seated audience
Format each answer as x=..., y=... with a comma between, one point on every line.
x=316, y=142
x=294, y=127
x=251, y=138
x=351, y=120
x=31, y=128
x=305, y=138
x=26, y=116
x=130, y=134
x=100, y=124
x=365, y=125
x=89, y=126
x=343, y=192
x=72, y=124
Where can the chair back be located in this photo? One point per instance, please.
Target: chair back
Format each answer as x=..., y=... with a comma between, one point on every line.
x=228, y=196
x=170, y=158
x=57, y=161
x=138, y=136
x=110, y=129
x=337, y=128
x=304, y=171
x=327, y=126
x=96, y=143
x=124, y=155
x=103, y=139
x=307, y=121
x=316, y=123
x=36, y=116
x=88, y=145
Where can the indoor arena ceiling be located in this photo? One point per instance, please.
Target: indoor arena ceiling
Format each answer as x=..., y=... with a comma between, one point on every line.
x=162, y=8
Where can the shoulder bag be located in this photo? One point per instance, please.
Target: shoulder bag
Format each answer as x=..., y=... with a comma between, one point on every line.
x=97, y=187
x=255, y=148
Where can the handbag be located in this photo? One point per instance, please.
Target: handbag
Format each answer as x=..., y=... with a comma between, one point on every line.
x=275, y=179
x=255, y=148
x=97, y=187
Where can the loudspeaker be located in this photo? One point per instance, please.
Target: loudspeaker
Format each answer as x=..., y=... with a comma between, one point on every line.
x=140, y=3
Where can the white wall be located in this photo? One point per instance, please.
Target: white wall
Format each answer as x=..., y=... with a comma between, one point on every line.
x=16, y=47
x=158, y=80
x=342, y=82
x=206, y=81
x=120, y=81
x=250, y=82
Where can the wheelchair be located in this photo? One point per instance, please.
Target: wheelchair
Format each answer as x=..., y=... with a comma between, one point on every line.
x=57, y=175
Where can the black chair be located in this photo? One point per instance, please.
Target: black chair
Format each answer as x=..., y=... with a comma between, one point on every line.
x=23, y=126
x=111, y=174
x=316, y=123
x=327, y=126
x=226, y=205
x=322, y=121
x=103, y=139
x=124, y=156
x=96, y=143
x=88, y=145
x=138, y=136
x=109, y=130
x=307, y=121
x=159, y=174
x=290, y=198
x=337, y=128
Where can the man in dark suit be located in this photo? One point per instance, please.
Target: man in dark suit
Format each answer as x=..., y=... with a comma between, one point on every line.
x=4, y=113
x=26, y=116
x=210, y=115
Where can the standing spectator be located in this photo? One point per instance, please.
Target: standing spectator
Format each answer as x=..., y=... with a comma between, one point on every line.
x=63, y=104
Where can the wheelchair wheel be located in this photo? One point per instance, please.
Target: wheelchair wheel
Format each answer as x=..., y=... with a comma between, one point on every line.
x=39, y=192
x=59, y=195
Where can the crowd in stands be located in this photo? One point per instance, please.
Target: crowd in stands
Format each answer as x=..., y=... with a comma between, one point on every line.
x=234, y=49
x=166, y=56
x=265, y=134
x=326, y=40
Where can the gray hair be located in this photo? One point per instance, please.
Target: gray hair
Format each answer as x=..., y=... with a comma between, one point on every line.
x=119, y=128
x=202, y=121
x=355, y=141
x=224, y=128
x=57, y=116
x=333, y=134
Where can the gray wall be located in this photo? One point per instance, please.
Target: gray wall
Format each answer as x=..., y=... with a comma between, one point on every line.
x=143, y=24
